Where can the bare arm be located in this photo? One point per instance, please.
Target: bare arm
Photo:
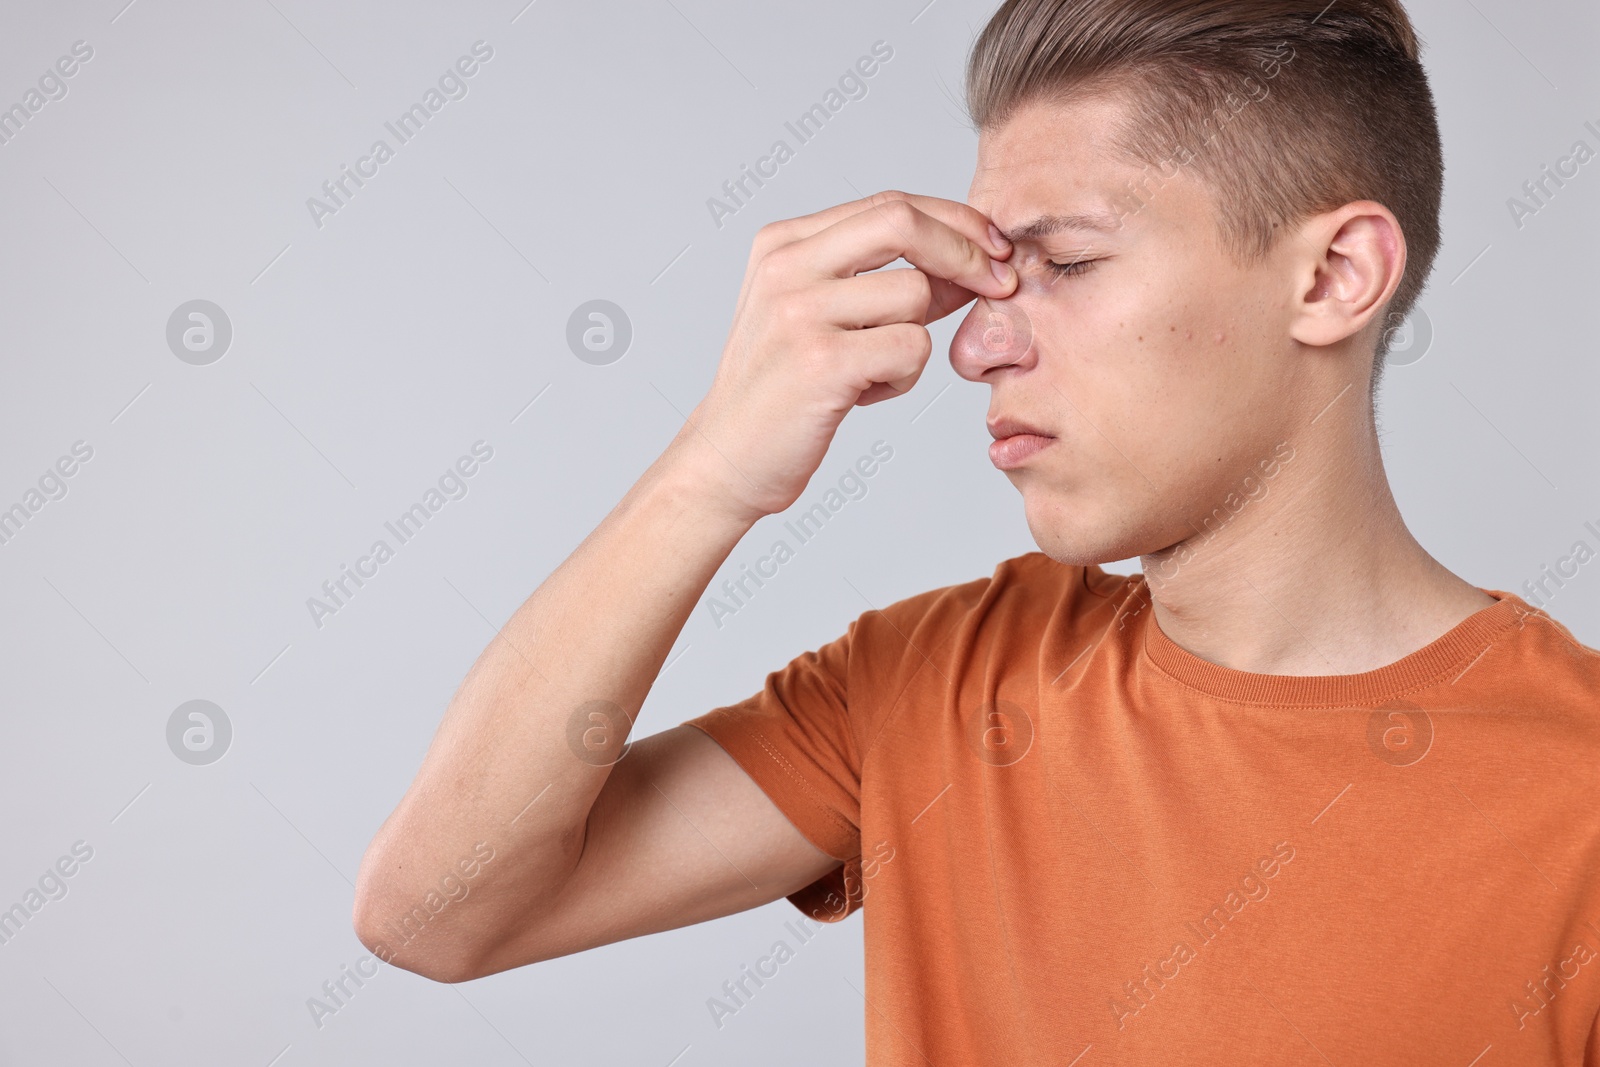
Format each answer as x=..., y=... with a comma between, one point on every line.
x=587, y=848
x=543, y=714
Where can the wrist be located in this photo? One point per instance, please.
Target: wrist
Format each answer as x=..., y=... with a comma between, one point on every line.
x=698, y=479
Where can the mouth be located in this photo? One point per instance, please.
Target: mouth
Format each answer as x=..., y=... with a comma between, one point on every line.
x=1015, y=442
x=1000, y=429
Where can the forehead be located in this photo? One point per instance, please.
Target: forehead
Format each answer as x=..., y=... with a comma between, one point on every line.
x=1058, y=160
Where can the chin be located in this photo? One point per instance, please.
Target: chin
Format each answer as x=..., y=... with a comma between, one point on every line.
x=1073, y=534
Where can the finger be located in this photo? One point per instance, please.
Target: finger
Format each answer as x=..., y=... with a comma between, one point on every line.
x=880, y=391
x=888, y=390
x=892, y=354
x=898, y=229
x=960, y=217
x=903, y=294
x=877, y=298
x=945, y=297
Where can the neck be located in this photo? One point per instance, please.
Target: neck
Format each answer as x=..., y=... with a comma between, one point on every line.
x=1317, y=573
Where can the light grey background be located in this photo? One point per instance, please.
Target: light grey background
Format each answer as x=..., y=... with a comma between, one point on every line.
x=369, y=353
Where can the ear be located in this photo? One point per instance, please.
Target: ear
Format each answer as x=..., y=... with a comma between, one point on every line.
x=1353, y=259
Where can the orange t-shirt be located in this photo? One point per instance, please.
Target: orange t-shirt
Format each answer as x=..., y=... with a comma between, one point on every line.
x=1076, y=843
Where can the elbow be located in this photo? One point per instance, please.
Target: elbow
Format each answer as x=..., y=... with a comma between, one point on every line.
x=386, y=932
x=404, y=934
x=429, y=928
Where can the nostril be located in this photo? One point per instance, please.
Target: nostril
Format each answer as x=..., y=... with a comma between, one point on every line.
x=1005, y=333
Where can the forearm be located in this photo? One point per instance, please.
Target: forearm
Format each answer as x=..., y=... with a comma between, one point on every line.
x=510, y=765
x=521, y=726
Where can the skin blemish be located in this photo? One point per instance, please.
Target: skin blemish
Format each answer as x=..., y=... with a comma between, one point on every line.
x=1219, y=337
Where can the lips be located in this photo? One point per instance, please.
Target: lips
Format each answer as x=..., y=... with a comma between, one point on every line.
x=1000, y=429
x=1015, y=442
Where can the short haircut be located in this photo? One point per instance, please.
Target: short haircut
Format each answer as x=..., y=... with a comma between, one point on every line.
x=1283, y=108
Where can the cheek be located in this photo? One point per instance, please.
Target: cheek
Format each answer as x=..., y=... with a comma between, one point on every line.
x=1138, y=348
x=1108, y=347
x=1183, y=350
x=1151, y=391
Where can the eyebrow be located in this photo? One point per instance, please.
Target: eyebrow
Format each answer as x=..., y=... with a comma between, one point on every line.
x=1045, y=225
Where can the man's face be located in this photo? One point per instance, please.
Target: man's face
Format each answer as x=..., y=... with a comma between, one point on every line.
x=1163, y=372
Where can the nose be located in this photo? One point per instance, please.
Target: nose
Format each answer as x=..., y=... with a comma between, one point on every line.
x=995, y=333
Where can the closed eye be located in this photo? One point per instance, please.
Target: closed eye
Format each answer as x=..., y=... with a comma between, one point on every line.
x=1072, y=270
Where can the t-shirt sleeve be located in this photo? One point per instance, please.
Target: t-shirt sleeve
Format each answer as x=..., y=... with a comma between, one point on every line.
x=805, y=736
x=796, y=739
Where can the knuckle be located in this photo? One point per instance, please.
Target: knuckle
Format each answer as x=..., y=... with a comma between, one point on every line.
x=900, y=213
x=886, y=197
x=817, y=359
x=772, y=236
x=792, y=314
x=908, y=381
x=772, y=233
x=912, y=341
x=774, y=262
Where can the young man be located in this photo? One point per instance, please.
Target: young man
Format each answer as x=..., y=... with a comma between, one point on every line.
x=1294, y=794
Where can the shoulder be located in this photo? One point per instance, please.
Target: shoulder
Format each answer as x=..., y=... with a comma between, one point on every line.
x=1027, y=594
x=1549, y=664
x=1027, y=582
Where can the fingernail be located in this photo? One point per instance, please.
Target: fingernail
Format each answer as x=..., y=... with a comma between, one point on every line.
x=1002, y=271
x=997, y=237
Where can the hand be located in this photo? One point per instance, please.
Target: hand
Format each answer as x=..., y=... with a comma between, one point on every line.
x=813, y=337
